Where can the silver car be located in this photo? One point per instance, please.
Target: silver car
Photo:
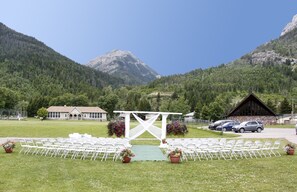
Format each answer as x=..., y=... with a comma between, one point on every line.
x=249, y=126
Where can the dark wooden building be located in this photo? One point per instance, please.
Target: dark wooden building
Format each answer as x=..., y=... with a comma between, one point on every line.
x=252, y=108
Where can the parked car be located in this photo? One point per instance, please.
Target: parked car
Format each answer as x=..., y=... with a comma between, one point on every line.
x=214, y=125
x=227, y=126
x=249, y=126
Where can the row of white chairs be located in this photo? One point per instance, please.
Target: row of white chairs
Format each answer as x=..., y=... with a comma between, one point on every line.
x=75, y=150
x=224, y=149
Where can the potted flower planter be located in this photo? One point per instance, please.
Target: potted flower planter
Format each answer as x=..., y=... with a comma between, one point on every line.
x=174, y=159
x=8, y=150
x=126, y=159
x=290, y=151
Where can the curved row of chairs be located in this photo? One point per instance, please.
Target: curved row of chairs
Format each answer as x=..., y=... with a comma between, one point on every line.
x=76, y=148
x=209, y=149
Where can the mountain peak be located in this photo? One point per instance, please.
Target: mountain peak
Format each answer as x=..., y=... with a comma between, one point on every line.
x=118, y=52
x=126, y=65
x=290, y=26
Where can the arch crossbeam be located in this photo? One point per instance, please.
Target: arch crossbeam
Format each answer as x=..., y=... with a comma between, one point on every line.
x=146, y=125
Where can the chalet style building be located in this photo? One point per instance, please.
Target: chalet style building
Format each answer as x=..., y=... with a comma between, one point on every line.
x=252, y=108
x=76, y=113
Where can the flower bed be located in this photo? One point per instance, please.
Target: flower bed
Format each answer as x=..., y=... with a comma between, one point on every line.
x=116, y=128
x=176, y=128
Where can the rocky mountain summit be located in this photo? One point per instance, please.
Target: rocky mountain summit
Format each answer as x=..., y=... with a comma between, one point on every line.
x=290, y=26
x=125, y=65
x=282, y=50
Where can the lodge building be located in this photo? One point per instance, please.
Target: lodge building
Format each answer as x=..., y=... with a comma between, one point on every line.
x=76, y=113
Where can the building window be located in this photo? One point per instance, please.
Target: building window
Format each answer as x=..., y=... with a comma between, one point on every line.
x=54, y=115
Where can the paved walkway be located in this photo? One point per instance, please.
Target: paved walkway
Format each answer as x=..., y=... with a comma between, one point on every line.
x=147, y=153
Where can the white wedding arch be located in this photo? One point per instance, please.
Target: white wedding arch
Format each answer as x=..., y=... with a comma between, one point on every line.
x=145, y=125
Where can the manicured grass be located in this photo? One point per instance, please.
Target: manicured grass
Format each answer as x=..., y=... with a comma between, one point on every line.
x=28, y=173
x=51, y=128
x=37, y=128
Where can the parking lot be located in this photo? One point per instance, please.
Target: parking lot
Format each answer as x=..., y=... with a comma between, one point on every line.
x=287, y=133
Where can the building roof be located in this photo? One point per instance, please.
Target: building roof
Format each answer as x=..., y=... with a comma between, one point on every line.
x=251, y=106
x=190, y=114
x=68, y=109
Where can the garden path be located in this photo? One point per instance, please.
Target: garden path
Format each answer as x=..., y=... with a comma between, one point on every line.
x=147, y=153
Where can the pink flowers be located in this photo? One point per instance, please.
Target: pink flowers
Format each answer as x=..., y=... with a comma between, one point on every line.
x=116, y=128
x=176, y=128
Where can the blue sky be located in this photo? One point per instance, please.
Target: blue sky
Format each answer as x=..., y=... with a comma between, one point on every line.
x=171, y=36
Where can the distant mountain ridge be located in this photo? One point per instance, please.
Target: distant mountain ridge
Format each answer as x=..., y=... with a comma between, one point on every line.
x=31, y=68
x=125, y=65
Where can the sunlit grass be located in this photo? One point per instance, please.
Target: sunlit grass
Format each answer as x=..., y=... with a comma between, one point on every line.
x=52, y=128
x=28, y=173
x=24, y=173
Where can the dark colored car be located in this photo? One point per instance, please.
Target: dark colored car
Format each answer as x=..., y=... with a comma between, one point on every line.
x=214, y=125
x=227, y=126
x=249, y=126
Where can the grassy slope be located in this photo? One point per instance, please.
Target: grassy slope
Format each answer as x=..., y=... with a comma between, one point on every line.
x=21, y=172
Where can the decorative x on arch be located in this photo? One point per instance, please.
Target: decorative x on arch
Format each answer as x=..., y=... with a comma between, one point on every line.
x=146, y=125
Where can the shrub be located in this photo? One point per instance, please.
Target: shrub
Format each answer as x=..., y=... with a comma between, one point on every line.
x=42, y=113
x=176, y=128
x=116, y=128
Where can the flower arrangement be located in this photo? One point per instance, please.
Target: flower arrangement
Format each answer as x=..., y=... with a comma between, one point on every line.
x=126, y=153
x=289, y=147
x=176, y=128
x=116, y=128
x=8, y=145
x=175, y=153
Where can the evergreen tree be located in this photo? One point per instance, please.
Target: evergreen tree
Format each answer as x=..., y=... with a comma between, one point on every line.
x=179, y=106
x=108, y=103
x=36, y=103
x=144, y=105
x=158, y=101
x=216, y=111
x=270, y=104
x=205, y=113
x=285, y=107
x=198, y=110
x=8, y=98
x=174, y=95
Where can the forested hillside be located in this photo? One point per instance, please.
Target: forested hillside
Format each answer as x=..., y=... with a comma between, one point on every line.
x=32, y=69
x=269, y=71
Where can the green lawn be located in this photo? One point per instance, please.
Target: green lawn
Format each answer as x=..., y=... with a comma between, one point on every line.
x=51, y=128
x=24, y=173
